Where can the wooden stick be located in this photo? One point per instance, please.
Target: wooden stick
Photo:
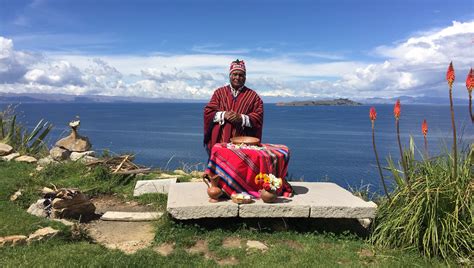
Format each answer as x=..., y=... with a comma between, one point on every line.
x=135, y=171
x=121, y=164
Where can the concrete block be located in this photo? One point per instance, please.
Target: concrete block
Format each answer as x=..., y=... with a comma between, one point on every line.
x=130, y=216
x=153, y=186
x=329, y=200
x=190, y=201
x=283, y=207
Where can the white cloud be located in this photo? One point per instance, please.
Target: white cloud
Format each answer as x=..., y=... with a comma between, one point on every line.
x=413, y=67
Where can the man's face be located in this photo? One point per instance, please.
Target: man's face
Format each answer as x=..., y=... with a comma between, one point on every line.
x=237, y=79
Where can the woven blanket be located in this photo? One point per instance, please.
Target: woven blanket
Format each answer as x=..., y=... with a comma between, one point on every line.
x=238, y=165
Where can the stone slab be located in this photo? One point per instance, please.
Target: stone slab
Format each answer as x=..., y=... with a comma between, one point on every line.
x=130, y=216
x=329, y=200
x=153, y=186
x=190, y=201
x=311, y=199
x=283, y=207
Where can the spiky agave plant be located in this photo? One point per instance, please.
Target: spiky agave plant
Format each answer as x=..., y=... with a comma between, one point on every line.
x=18, y=136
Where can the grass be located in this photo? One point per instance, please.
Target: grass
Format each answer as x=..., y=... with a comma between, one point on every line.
x=293, y=242
x=433, y=212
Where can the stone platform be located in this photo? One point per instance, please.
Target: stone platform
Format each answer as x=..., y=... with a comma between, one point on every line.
x=311, y=200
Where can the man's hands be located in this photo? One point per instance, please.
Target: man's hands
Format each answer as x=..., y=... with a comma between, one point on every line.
x=233, y=117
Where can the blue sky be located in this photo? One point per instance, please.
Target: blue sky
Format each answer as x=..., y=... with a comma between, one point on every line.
x=307, y=49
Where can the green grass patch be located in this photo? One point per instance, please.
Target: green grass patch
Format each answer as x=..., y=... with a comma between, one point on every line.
x=293, y=242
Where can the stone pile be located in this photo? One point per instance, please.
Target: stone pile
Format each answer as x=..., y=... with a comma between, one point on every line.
x=8, y=154
x=63, y=203
x=73, y=147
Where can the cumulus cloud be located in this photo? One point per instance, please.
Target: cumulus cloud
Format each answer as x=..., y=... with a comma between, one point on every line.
x=412, y=67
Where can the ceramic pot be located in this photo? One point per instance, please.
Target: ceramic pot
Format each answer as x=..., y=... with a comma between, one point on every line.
x=267, y=197
x=213, y=190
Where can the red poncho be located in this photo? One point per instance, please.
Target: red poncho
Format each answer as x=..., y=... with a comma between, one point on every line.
x=247, y=102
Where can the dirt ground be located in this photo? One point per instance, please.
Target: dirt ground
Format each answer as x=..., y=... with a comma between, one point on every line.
x=125, y=236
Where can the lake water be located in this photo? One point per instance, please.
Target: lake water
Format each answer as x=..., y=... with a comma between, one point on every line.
x=327, y=143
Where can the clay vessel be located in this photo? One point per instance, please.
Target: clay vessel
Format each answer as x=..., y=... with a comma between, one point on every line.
x=213, y=190
x=267, y=197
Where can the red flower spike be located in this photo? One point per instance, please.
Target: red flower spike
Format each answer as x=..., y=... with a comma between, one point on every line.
x=470, y=80
x=450, y=74
x=396, y=110
x=424, y=128
x=372, y=114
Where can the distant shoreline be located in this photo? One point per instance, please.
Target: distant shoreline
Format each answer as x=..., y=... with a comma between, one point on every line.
x=334, y=102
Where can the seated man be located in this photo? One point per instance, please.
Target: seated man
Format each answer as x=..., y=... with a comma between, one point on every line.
x=234, y=110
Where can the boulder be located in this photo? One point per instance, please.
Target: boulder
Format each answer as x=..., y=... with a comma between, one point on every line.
x=5, y=149
x=78, y=155
x=26, y=158
x=42, y=234
x=82, y=210
x=59, y=154
x=74, y=143
x=10, y=157
x=37, y=209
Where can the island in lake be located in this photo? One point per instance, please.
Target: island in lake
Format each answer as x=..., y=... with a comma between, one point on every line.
x=341, y=101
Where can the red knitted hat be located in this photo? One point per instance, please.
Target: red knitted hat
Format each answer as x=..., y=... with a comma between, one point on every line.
x=237, y=65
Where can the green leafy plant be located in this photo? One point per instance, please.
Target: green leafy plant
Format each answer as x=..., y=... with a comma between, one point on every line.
x=19, y=137
x=431, y=207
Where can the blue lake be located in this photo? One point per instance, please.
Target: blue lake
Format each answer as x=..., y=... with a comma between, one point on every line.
x=327, y=143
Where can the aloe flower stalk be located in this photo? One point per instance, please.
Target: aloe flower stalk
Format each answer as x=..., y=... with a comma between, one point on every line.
x=470, y=86
x=424, y=130
x=396, y=113
x=373, y=116
x=450, y=78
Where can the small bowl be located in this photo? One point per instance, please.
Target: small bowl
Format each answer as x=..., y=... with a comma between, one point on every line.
x=245, y=140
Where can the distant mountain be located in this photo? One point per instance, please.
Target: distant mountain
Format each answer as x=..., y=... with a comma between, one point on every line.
x=61, y=98
x=416, y=100
x=336, y=102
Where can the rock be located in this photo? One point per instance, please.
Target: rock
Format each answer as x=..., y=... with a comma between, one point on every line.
x=75, y=143
x=5, y=149
x=65, y=222
x=76, y=211
x=15, y=195
x=26, y=158
x=42, y=234
x=79, y=198
x=10, y=157
x=59, y=154
x=153, y=186
x=253, y=244
x=88, y=159
x=365, y=222
x=78, y=155
x=180, y=172
x=46, y=161
x=13, y=240
x=37, y=209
